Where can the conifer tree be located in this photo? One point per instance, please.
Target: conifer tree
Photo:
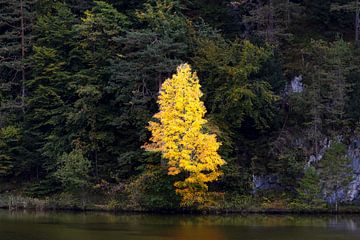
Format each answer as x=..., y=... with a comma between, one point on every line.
x=9, y=138
x=335, y=173
x=49, y=92
x=73, y=171
x=350, y=7
x=16, y=21
x=328, y=89
x=309, y=190
x=227, y=67
x=162, y=40
x=269, y=19
x=89, y=115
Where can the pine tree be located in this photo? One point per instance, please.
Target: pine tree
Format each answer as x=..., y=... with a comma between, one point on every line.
x=9, y=138
x=178, y=135
x=148, y=56
x=352, y=7
x=49, y=92
x=309, y=190
x=90, y=113
x=73, y=171
x=335, y=172
x=270, y=19
x=230, y=93
x=317, y=12
x=327, y=91
x=16, y=21
x=315, y=124
x=337, y=67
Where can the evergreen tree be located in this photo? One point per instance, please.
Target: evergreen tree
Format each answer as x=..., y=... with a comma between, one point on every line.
x=9, y=138
x=89, y=115
x=352, y=7
x=49, y=91
x=235, y=97
x=327, y=92
x=16, y=20
x=335, y=172
x=337, y=67
x=309, y=190
x=315, y=126
x=73, y=171
x=147, y=57
x=270, y=20
x=317, y=12
x=229, y=92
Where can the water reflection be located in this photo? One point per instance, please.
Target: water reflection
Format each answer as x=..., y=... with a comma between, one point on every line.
x=349, y=224
x=99, y=226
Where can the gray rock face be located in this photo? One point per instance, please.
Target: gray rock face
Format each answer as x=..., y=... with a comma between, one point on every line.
x=296, y=84
x=265, y=182
x=353, y=193
x=324, y=145
x=348, y=194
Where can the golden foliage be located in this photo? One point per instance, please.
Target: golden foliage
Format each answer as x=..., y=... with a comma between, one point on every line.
x=178, y=135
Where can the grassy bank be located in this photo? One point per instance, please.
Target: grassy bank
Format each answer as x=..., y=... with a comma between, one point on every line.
x=249, y=206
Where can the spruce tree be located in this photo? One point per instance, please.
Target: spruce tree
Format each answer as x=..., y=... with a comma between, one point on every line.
x=327, y=90
x=354, y=8
x=49, y=90
x=89, y=118
x=335, y=173
x=270, y=20
x=309, y=190
x=148, y=55
x=16, y=21
x=9, y=139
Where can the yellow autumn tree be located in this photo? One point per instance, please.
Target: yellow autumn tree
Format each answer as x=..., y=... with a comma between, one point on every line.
x=178, y=134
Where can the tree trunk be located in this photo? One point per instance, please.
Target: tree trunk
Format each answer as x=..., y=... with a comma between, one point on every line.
x=96, y=164
x=270, y=27
x=336, y=205
x=287, y=14
x=22, y=36
x=316, y=117
x=336, y=196
x=357, y=23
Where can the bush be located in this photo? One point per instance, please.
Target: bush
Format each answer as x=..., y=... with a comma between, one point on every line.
x=240, y=203
x=152, y=190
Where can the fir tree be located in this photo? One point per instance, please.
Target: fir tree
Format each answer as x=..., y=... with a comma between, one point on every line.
x=16, y=21
x=9, y=138
x=49, y=92
x=309, y=190
x=352, y=7
x=335, y=172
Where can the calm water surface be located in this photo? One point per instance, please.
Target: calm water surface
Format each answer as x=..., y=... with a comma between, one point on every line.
x=100, y=226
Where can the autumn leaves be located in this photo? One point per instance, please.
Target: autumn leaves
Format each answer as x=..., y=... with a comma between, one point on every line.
x=177, y=132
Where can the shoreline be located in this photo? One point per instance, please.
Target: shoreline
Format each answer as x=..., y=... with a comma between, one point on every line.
x=58, y=204
x=193, y=212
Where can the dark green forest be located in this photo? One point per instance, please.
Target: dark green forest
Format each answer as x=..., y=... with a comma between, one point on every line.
x=79, y=82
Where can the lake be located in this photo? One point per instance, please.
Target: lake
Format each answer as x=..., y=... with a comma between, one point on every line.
x=105, y=226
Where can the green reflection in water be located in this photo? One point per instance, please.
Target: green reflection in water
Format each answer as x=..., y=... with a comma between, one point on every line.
x=104, y=226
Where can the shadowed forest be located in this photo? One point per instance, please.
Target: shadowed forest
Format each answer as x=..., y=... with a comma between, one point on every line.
x=248, y=105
